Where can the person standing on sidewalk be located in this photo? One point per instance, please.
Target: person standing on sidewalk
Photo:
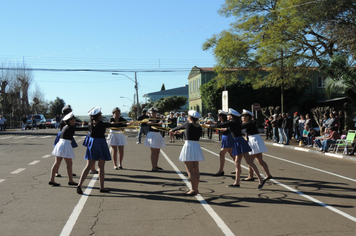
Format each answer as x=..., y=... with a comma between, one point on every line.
x=143, y=126
x=34, y=123
x=286, y=125
x=296, y=126
x=210, y=131
x=172, y=124
x=24, y=121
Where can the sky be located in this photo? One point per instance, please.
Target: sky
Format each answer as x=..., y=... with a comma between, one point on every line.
x=126, y=36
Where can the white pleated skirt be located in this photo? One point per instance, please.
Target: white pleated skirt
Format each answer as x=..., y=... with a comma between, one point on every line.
x=257, y=144
x=63, y=149
x=191, y=151
x=116, y=139
x=154, y=140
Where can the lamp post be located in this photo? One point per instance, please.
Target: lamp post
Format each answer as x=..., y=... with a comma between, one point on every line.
x=136, y=87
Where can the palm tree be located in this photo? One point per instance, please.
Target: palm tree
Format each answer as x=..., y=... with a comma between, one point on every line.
x=342, y=78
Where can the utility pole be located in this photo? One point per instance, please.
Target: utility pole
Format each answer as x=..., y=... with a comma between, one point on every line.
x=138, y=103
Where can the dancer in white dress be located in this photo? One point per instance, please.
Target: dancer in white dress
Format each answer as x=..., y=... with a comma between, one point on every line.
x=191, y=152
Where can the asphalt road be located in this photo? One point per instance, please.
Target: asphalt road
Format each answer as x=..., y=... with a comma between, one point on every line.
x=310, y=194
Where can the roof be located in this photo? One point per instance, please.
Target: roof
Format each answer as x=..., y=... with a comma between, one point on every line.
x=174, y=91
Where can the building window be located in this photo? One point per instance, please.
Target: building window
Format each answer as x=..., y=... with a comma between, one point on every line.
x=190, y=86
x=194, y=88
x=198, y=84
x=321, y=82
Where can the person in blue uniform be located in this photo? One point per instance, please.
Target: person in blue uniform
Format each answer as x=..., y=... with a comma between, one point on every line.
x=64, y=149
x=191, y=152
x=240, y=149
x=227, y=142
x=116, y=138
x=256, y=143
x=97, y=148
x=154, y=139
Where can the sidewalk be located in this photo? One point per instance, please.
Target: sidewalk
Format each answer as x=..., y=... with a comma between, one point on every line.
x=295, y=145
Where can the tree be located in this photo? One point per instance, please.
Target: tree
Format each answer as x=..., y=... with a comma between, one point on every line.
x=56, y=107
x=170, y=103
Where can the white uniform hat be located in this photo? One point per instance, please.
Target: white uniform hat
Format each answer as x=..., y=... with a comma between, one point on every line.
x=68, y=116
x=94, y=111
x=152, y=109
x=194, y=114
x=233, y=112
x=246, y=112
x=221, y=112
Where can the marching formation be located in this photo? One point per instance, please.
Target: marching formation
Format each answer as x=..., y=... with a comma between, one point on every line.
x=231, y=124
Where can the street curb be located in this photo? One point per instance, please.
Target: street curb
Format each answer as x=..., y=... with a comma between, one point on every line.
x=313, y=151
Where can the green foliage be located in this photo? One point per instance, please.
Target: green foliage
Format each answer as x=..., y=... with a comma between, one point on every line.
x=56, y=107
x=170, y=103
x=342, y=77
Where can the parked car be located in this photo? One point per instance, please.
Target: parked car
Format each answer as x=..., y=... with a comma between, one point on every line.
x=40, y=121
x=79, y=122
x=50, y=123
x=127, y=118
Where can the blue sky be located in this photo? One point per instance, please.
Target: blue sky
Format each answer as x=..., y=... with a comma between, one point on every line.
x=125, y=35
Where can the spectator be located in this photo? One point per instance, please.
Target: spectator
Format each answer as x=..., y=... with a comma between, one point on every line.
x=58, y=120
x=143, y=126
x=308, y=121
x=210, y=131
x=342, y=122
x=275, y=128
x=296, y=126
x=324, y=121
x=34, y=122
x=324, y=142
x=307, y=137
x=286, y=125
x=24, y=121
x=2, y=125
x=280, y=129
x=301, y=125
x=330, y=122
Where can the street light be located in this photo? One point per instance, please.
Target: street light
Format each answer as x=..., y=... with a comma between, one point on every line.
x=127, y=98
x=136, y=87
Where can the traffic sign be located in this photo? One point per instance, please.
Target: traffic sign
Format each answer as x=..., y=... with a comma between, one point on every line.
x=256, y=106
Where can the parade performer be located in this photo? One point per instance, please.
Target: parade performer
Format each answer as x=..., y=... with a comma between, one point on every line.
x=64, y=149
x=227, y=142
x=240, y=149
x=191, y=152
x=154, y=139
x=256, y=143
x=116, y=138
x=65, y=111
x=97, y=148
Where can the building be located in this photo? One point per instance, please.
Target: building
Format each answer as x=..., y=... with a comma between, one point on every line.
x=201, y=75
x=180, y=91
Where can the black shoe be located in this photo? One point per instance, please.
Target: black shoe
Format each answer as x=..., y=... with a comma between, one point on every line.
x=159, y=168
x=104, y=190
x=120, y=167
x=233, y=172
x=72, y=183
x=58, y=175
x=79, y=190
x=191, y=194
x=54, y=184
x=219, y=174
x=74, y=174
x=154, y=170
x=248, y=179
x=233, y=186
x=260, y=186
x=267, y=178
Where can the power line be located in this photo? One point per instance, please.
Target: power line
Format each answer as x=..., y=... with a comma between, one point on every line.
x=101, y=70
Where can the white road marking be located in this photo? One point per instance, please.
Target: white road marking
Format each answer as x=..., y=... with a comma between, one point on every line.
x=313, y=168
x=18, y=171
x=20, y=137
x=46, y=156
x=46, y=136
x=6, y=137
x=33, y=163
x=67, y=229
x=2, y=180
x=29, y=137
x=225, y=229
x=299, y=192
